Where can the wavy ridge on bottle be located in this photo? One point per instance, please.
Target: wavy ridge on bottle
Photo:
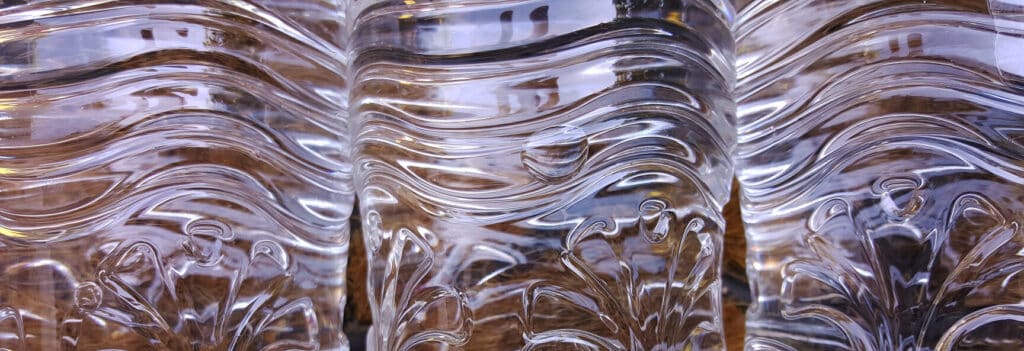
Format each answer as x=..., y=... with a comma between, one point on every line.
x=554, y=184
x=158, y=150
x=880, y=174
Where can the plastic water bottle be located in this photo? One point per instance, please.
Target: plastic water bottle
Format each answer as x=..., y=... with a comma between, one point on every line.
x=881, y=156
x=174, y=175
x=543, y=175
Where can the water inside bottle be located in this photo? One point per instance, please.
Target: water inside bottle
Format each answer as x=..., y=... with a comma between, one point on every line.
x=173, y=175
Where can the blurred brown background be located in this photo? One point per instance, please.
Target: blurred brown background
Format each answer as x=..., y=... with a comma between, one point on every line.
x=735, y=293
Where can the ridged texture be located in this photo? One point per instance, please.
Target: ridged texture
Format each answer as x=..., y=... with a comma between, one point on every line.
x=882, y=165
x=543, y=175
x=174, y=175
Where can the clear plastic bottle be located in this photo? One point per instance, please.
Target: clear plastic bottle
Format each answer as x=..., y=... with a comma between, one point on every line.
x=543, y=175
x=881, y=157
x=174, y=175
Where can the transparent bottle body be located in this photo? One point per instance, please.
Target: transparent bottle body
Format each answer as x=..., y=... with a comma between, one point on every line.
x=543, y=175
x=880, y=157
x=173, y=175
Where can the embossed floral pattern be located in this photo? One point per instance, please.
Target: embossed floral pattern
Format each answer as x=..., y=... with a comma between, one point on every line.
x=204, y=296
x=890, y=310
x=665, y=307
